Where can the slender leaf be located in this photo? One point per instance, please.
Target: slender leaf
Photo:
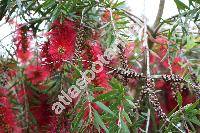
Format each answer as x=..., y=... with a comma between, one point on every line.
x=98, y=120
x=105, y=108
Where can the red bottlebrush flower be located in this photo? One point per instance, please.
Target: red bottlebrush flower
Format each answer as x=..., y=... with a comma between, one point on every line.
x=159, y=84
x=162, y=53
x=42, y=114
x=176, y=66
x=47, y=120
x=36, y=74
x=23, y=41
x=101, y=78
x=59, y=52
x=21, y=94
x=3, y=92
x=129, y=49
x=47, y=60
x=152, y=59
x=161, y=40
x=62, y=41
x=169, y=102
x=7, y=116
x=24, y=56
x=12, y=73
x=165, y=63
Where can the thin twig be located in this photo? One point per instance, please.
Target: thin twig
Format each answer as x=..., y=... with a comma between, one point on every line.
x=135, y=21
x=159, y=14
x=173, y=17
x=148, y=120
x=32, y=21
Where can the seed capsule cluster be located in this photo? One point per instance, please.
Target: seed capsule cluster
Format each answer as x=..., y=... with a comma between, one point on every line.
x=123, y=62
x=173, y=78
x=175, y=87
x=3, y=79
x=123, y=59
x=154, y=99
x=194, y=78
x=175, y=83
x=80, y=39
x=195, y=85
x=148, y=90
x=142, y=94
x=196, y=89
x=128, y=73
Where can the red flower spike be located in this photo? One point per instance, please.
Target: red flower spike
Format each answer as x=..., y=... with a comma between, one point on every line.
x=24, y=56
x=152, y=59
x=161, y=40
x=22, y=41
x=170, y=103
x=101, y=78
x=176, y=67
x=62, y=41
x=7, y=116
x=36, y=74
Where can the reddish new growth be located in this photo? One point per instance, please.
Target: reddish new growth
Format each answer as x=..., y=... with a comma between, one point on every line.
x=161, y=40
x=129, y=50
x=36, y=74
x=23, y=41
x=61, y=42
x=107, y=15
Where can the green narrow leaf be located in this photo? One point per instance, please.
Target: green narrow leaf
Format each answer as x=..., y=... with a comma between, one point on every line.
x=196, y=17
x=195, y=120
x=126, y=116
x=124, y=127
x=118, y=4
x=106, y=97
x=55, y=14
x=193, y=106
x=99, y=121
x=77, y=119
x=98, y=89
x=97, y=126
x=3, y=10
x=48, y=3
x=19, y=4
x=131, y=103
x=179, y=99
x=105, y=108
x=116, y=85
x=190, y=43
x=180, y=5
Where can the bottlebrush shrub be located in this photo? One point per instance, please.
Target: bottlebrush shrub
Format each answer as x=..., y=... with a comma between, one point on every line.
x=121, y=98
